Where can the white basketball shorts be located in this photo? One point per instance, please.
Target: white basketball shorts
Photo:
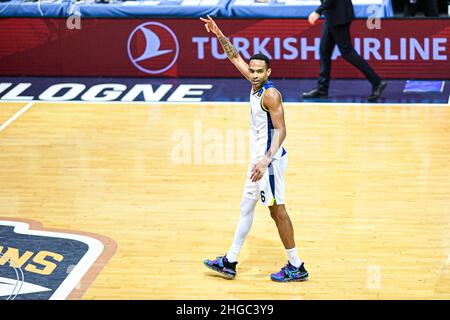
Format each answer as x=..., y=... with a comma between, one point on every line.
x=270, y=188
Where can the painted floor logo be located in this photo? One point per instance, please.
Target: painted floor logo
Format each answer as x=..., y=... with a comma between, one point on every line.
x=41, y=264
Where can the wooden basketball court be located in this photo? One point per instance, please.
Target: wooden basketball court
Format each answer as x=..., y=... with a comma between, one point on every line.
x=368, y=192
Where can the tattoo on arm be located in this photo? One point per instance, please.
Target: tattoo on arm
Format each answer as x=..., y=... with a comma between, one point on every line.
x=228, y=47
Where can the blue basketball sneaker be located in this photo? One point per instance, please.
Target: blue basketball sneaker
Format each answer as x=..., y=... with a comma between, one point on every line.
x=290, y=273
x=223, y=266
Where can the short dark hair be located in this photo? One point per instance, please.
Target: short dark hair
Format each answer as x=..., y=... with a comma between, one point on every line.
x=263, y=57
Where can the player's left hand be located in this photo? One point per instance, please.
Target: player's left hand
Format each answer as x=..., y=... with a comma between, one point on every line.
x=259, y=169
x=211, y=25
x=313, y=17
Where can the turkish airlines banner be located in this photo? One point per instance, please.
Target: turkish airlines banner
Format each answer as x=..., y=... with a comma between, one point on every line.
x=405, y=49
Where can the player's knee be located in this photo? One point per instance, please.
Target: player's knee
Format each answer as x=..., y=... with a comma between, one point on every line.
x=247, y=207
x=277, y=212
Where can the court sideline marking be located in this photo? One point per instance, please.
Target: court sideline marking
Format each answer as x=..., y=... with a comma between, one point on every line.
x=315, y=104
x=15, y=116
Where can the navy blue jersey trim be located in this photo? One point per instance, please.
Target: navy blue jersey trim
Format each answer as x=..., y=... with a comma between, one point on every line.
x=269, y=131
x=269, y=84
x=272, y=182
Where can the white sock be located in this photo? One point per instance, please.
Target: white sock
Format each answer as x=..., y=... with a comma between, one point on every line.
x=233, y=252
x=293, y=257
x=242, y=229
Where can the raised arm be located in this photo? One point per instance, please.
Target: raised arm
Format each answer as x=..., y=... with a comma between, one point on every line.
x=231, y=51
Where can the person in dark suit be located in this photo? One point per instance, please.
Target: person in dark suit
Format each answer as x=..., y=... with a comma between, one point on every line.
x=336, y=30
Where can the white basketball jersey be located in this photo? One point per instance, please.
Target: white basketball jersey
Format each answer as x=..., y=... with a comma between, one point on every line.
x=261, y=127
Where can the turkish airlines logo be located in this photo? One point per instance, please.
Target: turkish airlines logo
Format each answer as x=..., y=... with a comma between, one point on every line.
x=153, y=48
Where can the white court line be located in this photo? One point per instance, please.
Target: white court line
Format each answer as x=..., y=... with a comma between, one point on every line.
x=14, y=117
x=318, y=104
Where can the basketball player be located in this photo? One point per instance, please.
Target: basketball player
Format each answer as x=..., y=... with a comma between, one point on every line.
x=268, y=162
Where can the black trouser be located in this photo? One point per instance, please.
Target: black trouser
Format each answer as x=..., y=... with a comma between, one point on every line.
x=340, y=35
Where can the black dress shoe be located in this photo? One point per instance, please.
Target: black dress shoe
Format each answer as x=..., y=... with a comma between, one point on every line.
x=315, y=93
x=376, y=91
